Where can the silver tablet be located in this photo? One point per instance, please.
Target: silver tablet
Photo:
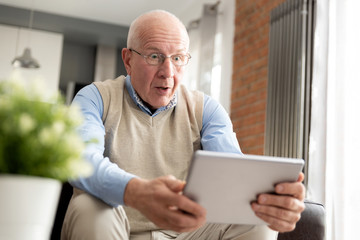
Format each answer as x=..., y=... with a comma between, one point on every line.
x=225, y=183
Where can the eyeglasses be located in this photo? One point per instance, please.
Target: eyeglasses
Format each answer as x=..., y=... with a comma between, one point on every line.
x=158, y=58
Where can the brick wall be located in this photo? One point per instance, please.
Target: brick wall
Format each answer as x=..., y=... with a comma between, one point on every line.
x=249, y=80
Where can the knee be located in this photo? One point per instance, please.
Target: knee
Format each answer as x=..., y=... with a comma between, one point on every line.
x=88, y=217
x=242, y=232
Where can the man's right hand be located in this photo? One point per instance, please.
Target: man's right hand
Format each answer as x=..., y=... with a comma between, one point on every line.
x=161, y=201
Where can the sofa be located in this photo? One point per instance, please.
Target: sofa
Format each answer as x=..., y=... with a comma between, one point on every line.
x=311, y=225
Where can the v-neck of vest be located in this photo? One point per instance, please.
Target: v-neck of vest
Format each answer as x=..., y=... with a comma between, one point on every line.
x=145, y=117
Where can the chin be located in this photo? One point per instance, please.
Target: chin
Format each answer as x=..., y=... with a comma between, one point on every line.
x=161, y=104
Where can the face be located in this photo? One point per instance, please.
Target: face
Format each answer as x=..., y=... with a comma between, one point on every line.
x=156, y=85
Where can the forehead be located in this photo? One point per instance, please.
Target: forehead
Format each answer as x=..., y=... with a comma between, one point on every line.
x=163, y=40
x=164, y=33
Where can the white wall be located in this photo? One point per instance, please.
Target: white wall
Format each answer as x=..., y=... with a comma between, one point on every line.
x=226, y=25
x=7, y=49
x=221, y=78
x=46, y=48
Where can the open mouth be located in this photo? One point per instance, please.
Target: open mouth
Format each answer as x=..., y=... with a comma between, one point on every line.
x=163, y=90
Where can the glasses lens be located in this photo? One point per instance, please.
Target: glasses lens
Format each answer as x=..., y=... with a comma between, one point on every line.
x=158, y=58
x=180, y=60
x=154, y=59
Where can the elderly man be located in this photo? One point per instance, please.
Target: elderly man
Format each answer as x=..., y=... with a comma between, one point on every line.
x=152, y=126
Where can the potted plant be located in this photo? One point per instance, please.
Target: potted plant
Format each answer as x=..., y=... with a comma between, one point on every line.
x=39, y=148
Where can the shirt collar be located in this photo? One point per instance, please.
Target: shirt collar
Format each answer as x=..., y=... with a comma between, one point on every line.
x=135, y=97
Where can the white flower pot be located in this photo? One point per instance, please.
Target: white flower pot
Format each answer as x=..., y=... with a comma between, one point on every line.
x=27, y=206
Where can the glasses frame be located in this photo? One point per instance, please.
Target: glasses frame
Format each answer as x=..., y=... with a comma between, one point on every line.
x=162, y=58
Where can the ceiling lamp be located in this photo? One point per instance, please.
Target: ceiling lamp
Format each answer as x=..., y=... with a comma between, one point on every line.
x=26, y=60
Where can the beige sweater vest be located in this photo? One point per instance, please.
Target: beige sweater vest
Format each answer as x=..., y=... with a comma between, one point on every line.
x=147, y=146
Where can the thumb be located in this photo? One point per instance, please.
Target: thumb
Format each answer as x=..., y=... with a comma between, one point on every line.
x=174, y=184
x=301, y=177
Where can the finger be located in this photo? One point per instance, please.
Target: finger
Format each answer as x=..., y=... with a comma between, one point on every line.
x=175, y=201
x=277, y=224
x=185, y=221
x=184, y=204
x=282, y=201
x=295, y=189
x=169, y=218
x=174, y=184
x=277, y=213
x=301, y=177
x=176, y=220
x=154, y=198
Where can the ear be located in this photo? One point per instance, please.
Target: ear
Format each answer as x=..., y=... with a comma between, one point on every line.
x=126, y=56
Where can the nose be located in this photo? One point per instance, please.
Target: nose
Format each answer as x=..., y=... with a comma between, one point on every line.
x=167, y=69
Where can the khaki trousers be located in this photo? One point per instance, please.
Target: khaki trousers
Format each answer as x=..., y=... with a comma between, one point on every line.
x=88, y=218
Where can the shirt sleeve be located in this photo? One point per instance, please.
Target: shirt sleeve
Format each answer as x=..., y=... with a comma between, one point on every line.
x=108, y=181
x=217, y=131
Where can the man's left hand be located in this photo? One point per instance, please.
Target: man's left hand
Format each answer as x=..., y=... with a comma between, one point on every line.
x=282, y=211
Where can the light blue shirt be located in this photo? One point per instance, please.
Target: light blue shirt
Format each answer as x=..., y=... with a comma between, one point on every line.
x=108, y=181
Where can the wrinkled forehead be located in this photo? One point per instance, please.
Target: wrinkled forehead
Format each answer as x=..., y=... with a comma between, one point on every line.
x=168, y=37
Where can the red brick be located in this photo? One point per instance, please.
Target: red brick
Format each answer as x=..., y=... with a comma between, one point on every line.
x=252, y=141
x=249, y=78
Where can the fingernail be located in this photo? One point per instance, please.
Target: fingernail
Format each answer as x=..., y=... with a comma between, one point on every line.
x=262, y=199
